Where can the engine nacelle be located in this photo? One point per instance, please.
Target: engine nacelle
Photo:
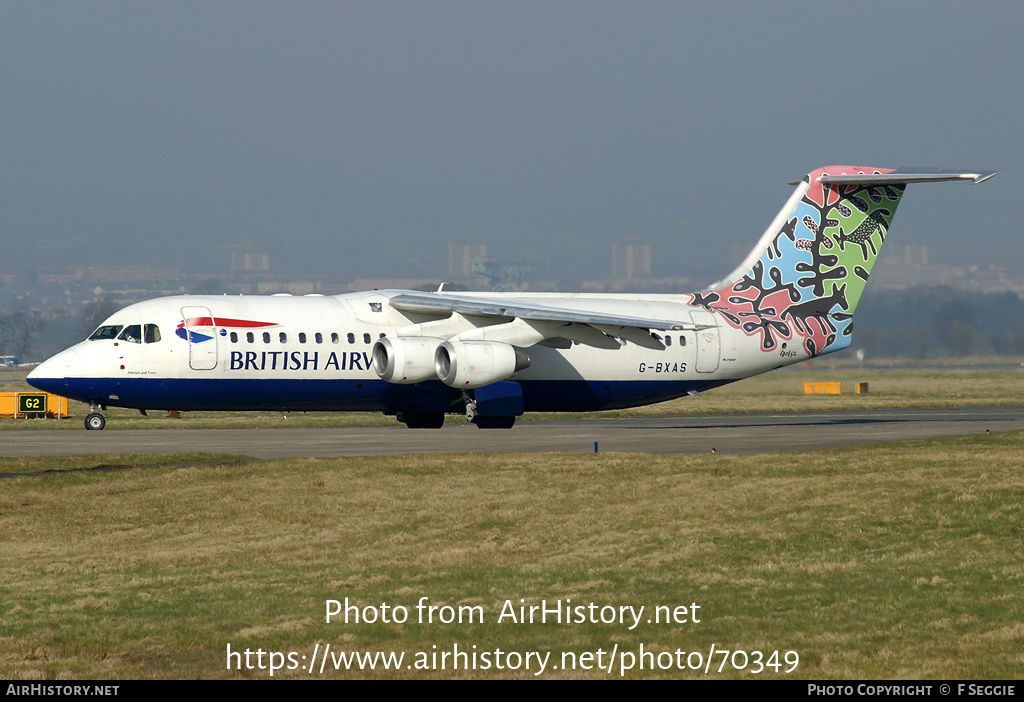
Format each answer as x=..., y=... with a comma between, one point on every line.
x=405, y=359
x=473, y=364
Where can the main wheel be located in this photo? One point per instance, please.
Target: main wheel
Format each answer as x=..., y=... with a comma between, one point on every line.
x=94, y=421
x=494, y=422
x=422, y=420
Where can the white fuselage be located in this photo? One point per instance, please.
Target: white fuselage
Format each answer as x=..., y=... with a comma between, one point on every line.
x=315, y=352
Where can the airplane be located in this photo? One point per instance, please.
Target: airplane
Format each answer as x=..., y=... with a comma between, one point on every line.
x=494, y=356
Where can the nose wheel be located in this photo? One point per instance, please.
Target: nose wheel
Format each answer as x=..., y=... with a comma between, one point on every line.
x=94, y=421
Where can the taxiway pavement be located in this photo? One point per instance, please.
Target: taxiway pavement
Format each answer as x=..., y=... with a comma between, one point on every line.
x=747, y=433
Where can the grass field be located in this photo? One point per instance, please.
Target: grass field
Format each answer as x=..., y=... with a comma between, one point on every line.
x=886, y=561
x=955, y=385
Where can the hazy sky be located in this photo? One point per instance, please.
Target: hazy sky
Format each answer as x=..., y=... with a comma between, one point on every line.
x=361, y=137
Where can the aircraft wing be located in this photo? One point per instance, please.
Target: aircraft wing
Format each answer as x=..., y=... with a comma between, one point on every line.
x=432, y=302
x=525, y=323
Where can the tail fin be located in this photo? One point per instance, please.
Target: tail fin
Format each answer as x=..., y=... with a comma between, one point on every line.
x=805, y=277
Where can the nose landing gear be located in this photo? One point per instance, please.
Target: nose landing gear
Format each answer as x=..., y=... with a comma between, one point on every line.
x=95, y=420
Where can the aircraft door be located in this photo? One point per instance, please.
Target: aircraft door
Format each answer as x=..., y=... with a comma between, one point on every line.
x=201, y=334
x=709, y=344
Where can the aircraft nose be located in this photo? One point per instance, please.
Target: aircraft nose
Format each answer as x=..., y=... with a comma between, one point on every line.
x=50, y=374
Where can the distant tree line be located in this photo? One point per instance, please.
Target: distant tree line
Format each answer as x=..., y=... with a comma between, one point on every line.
x=938, y=320
x=33, y=335
x=18, y=331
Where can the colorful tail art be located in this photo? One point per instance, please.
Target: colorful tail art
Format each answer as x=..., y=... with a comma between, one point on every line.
x=803, y=280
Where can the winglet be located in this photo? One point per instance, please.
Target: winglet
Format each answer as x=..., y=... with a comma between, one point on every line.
x=986, y=175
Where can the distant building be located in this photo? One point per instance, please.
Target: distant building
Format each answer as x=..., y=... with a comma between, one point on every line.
x=631, y=260
x=242, y=261
x=124, y=274
x=461, y=256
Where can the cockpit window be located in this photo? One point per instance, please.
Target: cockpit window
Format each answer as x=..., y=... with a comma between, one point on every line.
x=132, y=333
x=152, y=333
x=107, y=332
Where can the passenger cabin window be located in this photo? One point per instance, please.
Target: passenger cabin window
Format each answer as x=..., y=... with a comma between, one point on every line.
x=234, y=337
x=283, y=338
x=351, y=338
x=302, y=337
x=152, y=333
x=266, y=337
x=335, y=338
x=249, y=337
x=319, y=338
x=366, y=338
x=132, y=333
x=108, y=332
x=668, y=341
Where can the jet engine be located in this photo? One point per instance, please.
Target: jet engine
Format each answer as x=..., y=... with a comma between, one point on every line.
x=406, y=359
x=473, y=364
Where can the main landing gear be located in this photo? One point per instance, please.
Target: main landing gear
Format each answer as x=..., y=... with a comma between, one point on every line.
x=488, y=421
x=493, y=422
x=435, y=420
x=421, y=420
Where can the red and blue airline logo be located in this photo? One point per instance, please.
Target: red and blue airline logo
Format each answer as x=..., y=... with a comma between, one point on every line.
x=186, y=328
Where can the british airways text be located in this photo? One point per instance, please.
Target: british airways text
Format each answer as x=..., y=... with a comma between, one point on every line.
x=298, y=360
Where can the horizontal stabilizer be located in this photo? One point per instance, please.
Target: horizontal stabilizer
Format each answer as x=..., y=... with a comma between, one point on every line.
x=909, y=175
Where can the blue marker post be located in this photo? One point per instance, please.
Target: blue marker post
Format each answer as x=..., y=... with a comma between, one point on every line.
x=595, y=447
